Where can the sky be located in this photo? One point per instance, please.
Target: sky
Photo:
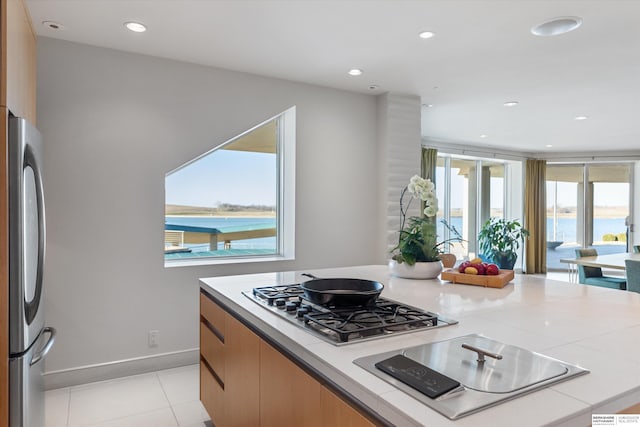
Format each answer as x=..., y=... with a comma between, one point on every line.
x=224, y=176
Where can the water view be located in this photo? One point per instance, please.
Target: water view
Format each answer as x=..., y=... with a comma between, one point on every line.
x=226, y=224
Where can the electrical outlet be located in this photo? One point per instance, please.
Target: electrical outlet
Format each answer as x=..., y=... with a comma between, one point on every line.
x=152, y=338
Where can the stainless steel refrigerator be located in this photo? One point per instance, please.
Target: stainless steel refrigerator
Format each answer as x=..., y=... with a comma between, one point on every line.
x=29, y=339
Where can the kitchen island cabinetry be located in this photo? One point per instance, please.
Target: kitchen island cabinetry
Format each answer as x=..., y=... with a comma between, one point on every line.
x=556, y=319
x=245, y=381
x=229, y=368
x=288, y=395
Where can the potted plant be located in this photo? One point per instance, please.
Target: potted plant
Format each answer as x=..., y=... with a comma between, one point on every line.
x=417, y=254
x=499, y=240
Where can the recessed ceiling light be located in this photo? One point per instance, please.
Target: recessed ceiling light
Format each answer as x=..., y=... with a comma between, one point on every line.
x=52, y=25
x=136, y=27
x=581, y=118
x=355, y=72
x=374, y=87
x=511, y=103
x=557, y=26
x=427, y=105
x=548, y=145
x=426, y=34
x=484, y=136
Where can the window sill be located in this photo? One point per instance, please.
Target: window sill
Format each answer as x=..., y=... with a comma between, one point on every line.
x=194, y=262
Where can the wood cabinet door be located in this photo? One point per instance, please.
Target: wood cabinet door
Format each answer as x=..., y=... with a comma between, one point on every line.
x=20, y=61
x=288, y=395
x=211, y=395
x=337, y=413
x=242, y=375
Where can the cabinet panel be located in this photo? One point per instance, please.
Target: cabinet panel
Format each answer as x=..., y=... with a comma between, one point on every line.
x=242, y=376
x=211, y=395
x=288, y=395
x=21, y=61
x=261, y=386
x=338, y=413
x=213, y=314
x=212, y=349
x=635, y=409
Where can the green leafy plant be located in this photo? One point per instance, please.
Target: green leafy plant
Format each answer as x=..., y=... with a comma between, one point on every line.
x=499, y=240
x=418, y=241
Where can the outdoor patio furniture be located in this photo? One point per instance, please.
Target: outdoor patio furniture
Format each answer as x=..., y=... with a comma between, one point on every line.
x=593, y=275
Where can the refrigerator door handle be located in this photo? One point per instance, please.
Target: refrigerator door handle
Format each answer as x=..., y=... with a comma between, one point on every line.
x=30, y=161
x=45, y=349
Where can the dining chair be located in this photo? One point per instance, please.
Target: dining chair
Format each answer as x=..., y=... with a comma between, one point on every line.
x=593, y=275
x=633, y=275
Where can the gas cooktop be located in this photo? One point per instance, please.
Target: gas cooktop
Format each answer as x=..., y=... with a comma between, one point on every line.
x=345, y=325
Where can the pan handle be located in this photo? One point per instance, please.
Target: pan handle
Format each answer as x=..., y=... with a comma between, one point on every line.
x=309, y=275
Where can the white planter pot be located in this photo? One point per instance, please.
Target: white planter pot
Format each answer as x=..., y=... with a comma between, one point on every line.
x=419, y=270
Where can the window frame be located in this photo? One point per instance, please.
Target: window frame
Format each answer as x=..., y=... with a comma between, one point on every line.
x=479, y=161
x=285, y=204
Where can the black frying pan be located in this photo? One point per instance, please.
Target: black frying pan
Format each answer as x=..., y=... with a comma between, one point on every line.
x=341, y=292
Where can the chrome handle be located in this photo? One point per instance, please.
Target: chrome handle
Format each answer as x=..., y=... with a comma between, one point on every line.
x=29, y=160
x=45, y=350
x=482, y=353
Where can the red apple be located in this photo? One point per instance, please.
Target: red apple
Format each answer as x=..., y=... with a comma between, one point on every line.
x=492, y=270
x=481, y=269
x=462, y=266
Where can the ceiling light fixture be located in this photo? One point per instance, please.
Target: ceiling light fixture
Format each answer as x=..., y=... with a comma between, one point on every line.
x=136, y=27
x=374, y=87
x=355, y=72
x=52, y=25
x=581, y=118
x=484, y=136
x=426, y=34
x=557, y=26
x=548, y=145
x=511, y=103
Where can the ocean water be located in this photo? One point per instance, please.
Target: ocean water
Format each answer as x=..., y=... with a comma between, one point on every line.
x=567, y=228
x=227, y=222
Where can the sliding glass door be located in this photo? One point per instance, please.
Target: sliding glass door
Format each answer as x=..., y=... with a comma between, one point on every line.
x=587, y=206
x=470, y=191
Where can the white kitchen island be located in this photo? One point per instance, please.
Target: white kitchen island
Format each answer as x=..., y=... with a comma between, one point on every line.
x=592, y=327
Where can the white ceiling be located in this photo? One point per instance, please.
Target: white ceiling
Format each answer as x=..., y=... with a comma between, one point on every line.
x=483, y=55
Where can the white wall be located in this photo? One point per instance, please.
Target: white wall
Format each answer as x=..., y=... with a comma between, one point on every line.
x=114, y=123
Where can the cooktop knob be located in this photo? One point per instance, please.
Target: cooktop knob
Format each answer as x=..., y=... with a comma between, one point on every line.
x=291, y=306
x=280, y=302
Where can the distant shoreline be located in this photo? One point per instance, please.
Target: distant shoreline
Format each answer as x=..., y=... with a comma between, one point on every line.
x=226, y=215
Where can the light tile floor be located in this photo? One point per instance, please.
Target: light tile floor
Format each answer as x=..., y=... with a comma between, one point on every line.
x=168, y=398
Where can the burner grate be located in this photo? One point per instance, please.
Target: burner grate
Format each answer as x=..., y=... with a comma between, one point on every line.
x=345, y=325
x=271, y=293
x=383, y=318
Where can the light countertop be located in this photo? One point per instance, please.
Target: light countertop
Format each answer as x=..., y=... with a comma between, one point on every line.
x=595, y=328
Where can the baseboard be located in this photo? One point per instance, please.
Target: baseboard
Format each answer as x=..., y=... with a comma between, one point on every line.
x=120, y=368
